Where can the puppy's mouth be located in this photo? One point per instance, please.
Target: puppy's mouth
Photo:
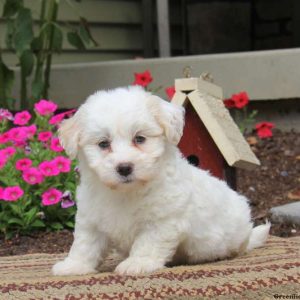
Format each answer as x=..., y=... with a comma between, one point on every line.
x=126, y=180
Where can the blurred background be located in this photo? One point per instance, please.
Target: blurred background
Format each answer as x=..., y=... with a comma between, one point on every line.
x=127, y=29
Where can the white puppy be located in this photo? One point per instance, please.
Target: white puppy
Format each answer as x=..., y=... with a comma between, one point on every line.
x=139, y=193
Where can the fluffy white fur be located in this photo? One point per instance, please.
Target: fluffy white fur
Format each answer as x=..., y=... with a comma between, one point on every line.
x=166, y=210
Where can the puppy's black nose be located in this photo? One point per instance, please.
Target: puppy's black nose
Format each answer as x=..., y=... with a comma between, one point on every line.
x=125, y=169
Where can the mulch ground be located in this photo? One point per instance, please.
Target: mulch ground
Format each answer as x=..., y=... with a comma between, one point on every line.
x=275, y=182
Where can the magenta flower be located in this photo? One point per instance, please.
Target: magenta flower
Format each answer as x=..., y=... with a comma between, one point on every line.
x=12, y=193
x=45, y=107
x=23, y=164
x=1, y=192
x=7, y=152
x=4, y=138
x=31, y=130
x=33, y=176
x=55, y=145
x=62, y=163
x=22, y=118
x=20, y=144
x=48, y=168
x=18, y=134
x=44, y=136
x=59, y=117
x=51, y=197
x=5, y=115
x=3, y=161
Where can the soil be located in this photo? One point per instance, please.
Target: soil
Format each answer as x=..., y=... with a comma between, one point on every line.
x=275, y=182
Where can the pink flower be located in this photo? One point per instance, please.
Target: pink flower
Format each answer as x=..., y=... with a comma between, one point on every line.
x=4, y=138
x=3, y=161
x=7, y=152
x=55, y=145
x=23, y=164
x=51, y=197
x=31, y=130
x=22, y=118
x=5, y=115
x=59, y=117
x=12, y=193
x=45, y=107
x=18, y=134
x=33, y=176
x=20, y=144
x=1, y=192
x=48, y=168
x=44, y=136
x=62, y=163
x=170, y=91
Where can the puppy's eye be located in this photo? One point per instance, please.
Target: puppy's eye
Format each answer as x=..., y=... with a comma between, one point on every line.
x=139, y=139
x=104, y=144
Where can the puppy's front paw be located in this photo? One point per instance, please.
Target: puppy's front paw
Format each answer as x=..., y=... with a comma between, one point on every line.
x=71, y=267
x=138, y=265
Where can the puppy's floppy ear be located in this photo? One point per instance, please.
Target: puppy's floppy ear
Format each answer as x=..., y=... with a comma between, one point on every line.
x=69, y=134
x=170, y=117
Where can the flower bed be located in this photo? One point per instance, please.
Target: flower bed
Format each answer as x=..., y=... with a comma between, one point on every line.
x=37, y=179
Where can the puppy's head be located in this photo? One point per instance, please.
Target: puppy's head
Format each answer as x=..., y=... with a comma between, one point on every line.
x=123, y=134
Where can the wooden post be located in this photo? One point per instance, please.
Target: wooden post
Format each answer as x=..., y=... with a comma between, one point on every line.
x=163, y=28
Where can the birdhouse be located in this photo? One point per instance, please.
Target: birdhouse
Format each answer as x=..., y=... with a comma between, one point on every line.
x=211, y=139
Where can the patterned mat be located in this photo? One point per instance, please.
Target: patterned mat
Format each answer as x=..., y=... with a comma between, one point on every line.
x=262, y=274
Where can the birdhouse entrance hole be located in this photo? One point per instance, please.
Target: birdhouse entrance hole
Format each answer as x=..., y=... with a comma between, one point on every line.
x=193, y=160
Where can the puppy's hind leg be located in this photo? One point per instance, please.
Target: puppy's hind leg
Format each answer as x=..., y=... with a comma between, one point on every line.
x=85, y=254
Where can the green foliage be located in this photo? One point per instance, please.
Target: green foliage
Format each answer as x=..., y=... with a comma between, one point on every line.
x=244, y=119
x=34, y=48
x=7, y=77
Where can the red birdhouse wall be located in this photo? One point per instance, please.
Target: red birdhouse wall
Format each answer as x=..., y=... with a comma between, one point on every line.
x=198, y=147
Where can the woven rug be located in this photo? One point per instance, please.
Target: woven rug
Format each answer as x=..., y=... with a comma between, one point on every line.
x=261, y=274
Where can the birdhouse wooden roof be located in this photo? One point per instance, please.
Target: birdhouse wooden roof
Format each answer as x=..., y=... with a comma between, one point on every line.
x=207, y=100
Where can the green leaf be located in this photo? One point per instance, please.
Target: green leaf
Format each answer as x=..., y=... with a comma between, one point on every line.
x=38, y=223
x=75, y=40
x=37, y=88
x=37, y=44
x=9, y=35
x=24, y=32
x=26, y=61
x=57, y=38
x=56, y=226
x=85, y=33
x=70, y=224
x=16, y=209
x=11, y=7
x=15, y=221
x=7, y=77
x=30, y=215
